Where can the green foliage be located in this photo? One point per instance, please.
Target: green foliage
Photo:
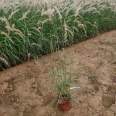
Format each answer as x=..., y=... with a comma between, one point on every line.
x=62, y=79
x=30, y=32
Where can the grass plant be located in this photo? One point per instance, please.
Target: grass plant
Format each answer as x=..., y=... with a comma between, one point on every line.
x=62, y=79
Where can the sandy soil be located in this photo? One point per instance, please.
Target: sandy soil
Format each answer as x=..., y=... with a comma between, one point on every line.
x=27, y=89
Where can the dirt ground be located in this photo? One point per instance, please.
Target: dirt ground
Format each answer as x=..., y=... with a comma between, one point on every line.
x=27, y=89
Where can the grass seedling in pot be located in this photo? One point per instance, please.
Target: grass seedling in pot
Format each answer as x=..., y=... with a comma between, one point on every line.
x=63, y=88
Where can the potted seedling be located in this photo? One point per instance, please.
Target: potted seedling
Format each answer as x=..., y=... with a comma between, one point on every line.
x=64, y=96
x=62, y=77
x=62, y=80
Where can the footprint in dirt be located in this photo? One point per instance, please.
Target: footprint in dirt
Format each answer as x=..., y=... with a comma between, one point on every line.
x=108, y=100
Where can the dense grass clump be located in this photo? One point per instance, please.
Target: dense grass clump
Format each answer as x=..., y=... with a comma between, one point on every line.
x=29, y=32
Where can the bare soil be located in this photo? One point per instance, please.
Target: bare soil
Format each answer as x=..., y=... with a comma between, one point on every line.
x=27, y=89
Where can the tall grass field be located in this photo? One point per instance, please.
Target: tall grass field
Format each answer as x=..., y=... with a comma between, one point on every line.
x=28, y=31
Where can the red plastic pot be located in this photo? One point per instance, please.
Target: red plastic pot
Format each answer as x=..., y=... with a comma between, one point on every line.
x=64, y=105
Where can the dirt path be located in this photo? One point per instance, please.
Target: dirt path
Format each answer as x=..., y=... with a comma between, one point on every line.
x=25, y=89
